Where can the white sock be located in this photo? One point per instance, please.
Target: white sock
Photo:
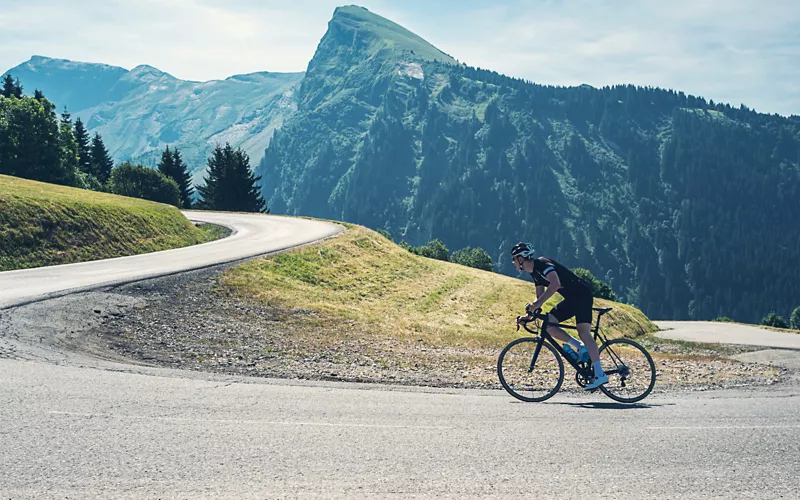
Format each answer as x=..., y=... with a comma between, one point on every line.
x=575, y=343
x=598, y=370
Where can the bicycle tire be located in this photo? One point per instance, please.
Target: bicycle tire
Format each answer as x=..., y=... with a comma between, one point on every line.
x=639, y=368
x=512, y=366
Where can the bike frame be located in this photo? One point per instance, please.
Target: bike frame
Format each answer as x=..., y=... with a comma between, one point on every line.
x=544, y=335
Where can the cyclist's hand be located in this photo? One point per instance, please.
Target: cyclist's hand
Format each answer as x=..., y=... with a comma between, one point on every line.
x=532, y=309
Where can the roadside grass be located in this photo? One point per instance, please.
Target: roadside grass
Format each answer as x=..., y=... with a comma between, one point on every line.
x=774, y=328
x=384, y=292
x=213, y=232
x=45, y=224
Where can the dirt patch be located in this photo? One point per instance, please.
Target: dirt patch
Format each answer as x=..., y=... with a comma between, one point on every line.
x=193, y=322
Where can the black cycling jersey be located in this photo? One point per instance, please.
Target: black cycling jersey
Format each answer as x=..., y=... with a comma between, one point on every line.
x=571, y=285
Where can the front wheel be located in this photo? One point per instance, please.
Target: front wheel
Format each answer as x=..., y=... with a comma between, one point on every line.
x=630, y=369
x=530, y=369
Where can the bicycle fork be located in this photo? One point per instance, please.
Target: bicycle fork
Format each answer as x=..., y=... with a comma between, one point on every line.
x=536, y=353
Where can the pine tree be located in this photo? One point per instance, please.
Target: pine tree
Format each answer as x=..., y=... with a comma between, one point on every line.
x=84, y=154
x=8, y=86
x=69, y=149
x=167, y=164
x=101, y=162
x=172, y=166
x=183, y=179
x=230, y=185
x=11, y=87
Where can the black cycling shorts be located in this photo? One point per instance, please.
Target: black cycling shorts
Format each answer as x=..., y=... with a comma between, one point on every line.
x=579, y=306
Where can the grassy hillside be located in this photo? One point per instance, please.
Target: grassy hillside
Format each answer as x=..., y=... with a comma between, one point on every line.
x=44, y=224
x=373, y=288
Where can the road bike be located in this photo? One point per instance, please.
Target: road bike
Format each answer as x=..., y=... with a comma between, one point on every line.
x=531, y=368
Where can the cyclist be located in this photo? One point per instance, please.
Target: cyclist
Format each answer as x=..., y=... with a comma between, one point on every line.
x=551, y=277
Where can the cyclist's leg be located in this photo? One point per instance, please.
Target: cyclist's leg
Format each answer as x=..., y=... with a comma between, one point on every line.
x=561, y=312
x=583, y=321
x=585, y=332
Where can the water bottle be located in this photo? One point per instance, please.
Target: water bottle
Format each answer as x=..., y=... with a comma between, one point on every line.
x=570, y=352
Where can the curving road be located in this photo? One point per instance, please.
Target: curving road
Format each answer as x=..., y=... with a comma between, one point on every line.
x=76, y=426
x=254, y=234
x=727, y=333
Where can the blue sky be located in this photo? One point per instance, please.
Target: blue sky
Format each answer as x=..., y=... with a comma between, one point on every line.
x=735, y=51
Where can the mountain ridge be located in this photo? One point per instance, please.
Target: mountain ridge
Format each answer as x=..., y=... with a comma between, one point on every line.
x=142, y=110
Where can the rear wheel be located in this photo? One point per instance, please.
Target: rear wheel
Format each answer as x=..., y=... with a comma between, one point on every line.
x=529, y=370
x=631, y=371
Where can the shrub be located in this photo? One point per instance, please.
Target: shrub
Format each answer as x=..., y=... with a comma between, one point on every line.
x=137, y=181
x=434, y=249
x=723, y=319
x=773, y=319
x=473, y=257
x=600, y=289
x=794, y=319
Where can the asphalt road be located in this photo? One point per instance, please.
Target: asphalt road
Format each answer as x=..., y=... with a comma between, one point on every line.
x=253, y=235
x=727, y=333
x=72, y=432
x=73, y=425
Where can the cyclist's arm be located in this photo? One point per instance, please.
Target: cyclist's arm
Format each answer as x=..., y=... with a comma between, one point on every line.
x=539, y=291
x=552, y=288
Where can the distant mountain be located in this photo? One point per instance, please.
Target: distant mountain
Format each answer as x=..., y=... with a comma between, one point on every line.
x=139, y=112
x=686, y=207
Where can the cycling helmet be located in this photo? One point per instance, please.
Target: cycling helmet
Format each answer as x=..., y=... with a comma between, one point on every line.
x=522, y=250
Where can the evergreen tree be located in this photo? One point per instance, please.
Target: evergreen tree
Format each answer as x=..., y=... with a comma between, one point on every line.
x=230, y=185
x=69, y=149
x=11, y=87
x=101, y=162
x=84, y=154
x=167, y=164
x=8, y=86
x=184, y=179
x=172, y=166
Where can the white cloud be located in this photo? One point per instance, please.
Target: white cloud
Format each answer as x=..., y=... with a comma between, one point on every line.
x=737, y=51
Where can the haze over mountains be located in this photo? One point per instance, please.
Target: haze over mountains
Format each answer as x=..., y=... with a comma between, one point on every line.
x=686, y=207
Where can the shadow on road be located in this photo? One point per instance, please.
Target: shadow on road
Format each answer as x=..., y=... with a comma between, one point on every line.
x=612, y=405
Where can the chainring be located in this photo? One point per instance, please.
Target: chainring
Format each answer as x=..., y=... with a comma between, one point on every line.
x=583, y=376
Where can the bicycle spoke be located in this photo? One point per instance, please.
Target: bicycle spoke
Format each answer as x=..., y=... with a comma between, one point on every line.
x=630, y=369
x=530, y=371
